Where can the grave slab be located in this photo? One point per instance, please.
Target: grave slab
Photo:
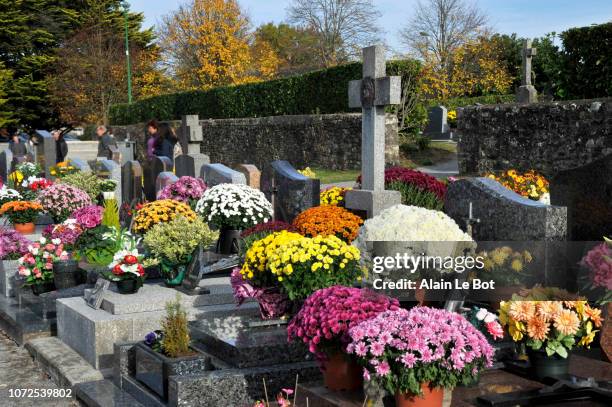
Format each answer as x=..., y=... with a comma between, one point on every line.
x=215, y=174
x=234, y=342
x=252, y=174
x=103, y=393
x=8, y=283
x=504, y=215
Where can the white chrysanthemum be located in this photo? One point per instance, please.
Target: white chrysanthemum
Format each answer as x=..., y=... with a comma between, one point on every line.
x=403, y=223
x=233, y=205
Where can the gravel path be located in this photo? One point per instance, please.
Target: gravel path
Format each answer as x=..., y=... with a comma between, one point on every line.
x=18, y=371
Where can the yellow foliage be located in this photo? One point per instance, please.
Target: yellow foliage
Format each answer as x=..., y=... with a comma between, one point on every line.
x=473, y=68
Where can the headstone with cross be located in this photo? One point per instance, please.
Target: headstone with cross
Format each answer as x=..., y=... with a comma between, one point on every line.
x=527, y=92
x=373, y=93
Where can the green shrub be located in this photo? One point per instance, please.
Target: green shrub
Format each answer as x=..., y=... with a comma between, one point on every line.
x=176, y=330
x=86, y=181
x=318, y=92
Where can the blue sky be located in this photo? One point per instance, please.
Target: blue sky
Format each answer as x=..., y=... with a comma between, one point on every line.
x=527, y=18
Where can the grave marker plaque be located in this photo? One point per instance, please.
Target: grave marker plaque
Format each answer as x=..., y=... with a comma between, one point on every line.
x=45, y=151
x=156, y=166
x=215, y=174
x=6, y=164
x=184, y=166
x=95, y=296
x=131, y=182
x=163, y=180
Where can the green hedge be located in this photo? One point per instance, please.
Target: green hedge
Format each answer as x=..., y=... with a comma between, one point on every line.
x=323, y=92
x=587, y=62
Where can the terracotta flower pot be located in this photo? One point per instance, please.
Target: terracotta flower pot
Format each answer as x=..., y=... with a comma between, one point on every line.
x=430, y=398
x=342, y=373
x=25, y=228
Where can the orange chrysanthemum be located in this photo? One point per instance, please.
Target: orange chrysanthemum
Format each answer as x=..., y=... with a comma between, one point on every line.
x=537, y=328
x=549, y=310
x=328, y=221
x=567, y=322
x=594, y=314
x=522, y=310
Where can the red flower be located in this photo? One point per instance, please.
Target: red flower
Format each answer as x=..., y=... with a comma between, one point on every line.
x=141, y=270
x=129, y=259
x=117, y=270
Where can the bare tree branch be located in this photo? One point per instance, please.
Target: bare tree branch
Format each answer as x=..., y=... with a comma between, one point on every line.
x=343, y=26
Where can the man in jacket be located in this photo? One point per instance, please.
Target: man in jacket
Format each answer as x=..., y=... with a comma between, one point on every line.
x=105, y=142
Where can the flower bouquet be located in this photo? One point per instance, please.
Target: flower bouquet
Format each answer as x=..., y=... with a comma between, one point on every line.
x=187, y=189
x=486, y=322
x=164, y=210
x=323, y=324
x=418, y=352
x=173, y=244
x=8, y=194
x=549, y=322
x=328, y=221
x=61, y=200
x=598, y=261
x=62, y=169
x=22, y=214
x=334, y=196
x=301, y=265
x=530, y=184
x=126, y=270
x=37, y=264
x=232, y=208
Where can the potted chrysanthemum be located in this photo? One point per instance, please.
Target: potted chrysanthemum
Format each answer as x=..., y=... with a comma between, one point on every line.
x=187, y=190
x=36, y=266
x=233, y=208
x=549, y=322
x=416, y=354
x=323, y=324
x=328, y=220
x=173, y=244
x=22, y=214
x=61, y=200
x=13, y=245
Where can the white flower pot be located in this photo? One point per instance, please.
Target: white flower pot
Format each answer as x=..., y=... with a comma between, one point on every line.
x=108, y=195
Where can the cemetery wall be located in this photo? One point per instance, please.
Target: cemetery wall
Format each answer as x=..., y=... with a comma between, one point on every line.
x=329, y=141
x=548, y=137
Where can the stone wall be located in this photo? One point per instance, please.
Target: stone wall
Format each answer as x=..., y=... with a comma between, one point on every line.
x=327, y=141
x=549, y=137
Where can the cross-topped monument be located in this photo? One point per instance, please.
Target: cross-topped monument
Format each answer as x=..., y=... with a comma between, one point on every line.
x=527, y=92
x=373, y=93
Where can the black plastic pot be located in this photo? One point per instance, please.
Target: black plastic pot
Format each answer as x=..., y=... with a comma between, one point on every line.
x=66, y=273
x=153, y=369
x=228, y=242
x=38, y=289
x=128, y=286
x=543, y=366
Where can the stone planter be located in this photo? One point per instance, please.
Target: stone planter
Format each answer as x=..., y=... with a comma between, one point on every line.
x=8, y=275
x=65, y=274
x=153, y=368
x=228, y=242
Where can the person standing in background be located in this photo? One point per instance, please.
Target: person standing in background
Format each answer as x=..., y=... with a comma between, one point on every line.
x=105, y=142
x=61, y=147
x=152, y=127
x=18, y=148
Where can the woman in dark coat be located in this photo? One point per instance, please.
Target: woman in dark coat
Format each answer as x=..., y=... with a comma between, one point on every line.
x=164, y=142
x=61, y=147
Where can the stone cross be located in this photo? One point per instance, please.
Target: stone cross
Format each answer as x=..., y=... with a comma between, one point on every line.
x=527, y=54
x=191, y=133
x=526, y=92
x=373, y=93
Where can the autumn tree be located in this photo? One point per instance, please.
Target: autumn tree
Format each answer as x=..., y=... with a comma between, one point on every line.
x=475, y=68
x=342, y=27
x=90, y=73
x=439, y=27
x=295, y=47
x=207, y=43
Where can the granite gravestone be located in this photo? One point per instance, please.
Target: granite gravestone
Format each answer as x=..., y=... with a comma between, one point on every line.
x=289, y=191
x=163, y=180
x=527, y=93
x=6, y=164
x=131, y=182
x=80, y=164
x=184, y=166
x=373, y=93
x=156, y=166
x=437, y=125
x=115, y=154
x=503, y=214
x=587, y=193
x=251, y=173
x=215, y=174
x=109, y=169
x=45, y=151
x=126, y=149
